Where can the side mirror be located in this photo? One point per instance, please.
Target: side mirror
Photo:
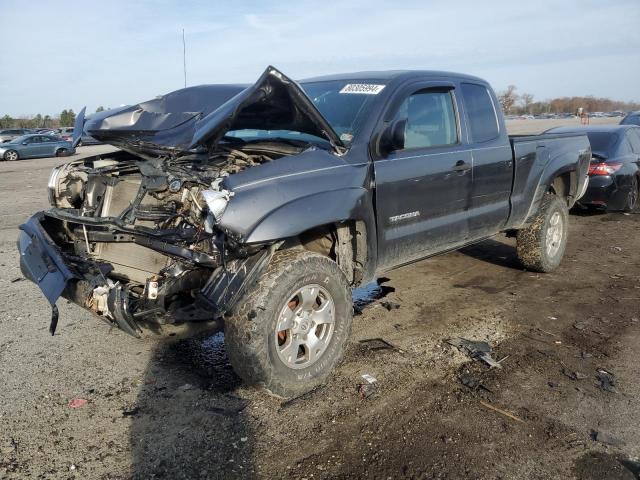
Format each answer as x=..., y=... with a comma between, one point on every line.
x=393, y=137
x=25, y=143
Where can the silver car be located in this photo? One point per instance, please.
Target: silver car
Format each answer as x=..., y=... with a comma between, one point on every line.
x=8, y=134
x=33, y=146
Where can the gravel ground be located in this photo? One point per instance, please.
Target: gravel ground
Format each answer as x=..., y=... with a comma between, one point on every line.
x=169, y=408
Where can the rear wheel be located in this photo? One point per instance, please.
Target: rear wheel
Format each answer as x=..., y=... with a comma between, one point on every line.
x=291, y=328
x=62, y=152
x=11, y=155
x=541, y=246
x=632, y=197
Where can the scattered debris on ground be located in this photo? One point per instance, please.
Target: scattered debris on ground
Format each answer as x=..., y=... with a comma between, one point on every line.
x=77, y=402
x=573, y=375
x=379, y=344
x=502, y=412
x=369, y=387
x=473, y=382
x=607, y=381
x=476, y=350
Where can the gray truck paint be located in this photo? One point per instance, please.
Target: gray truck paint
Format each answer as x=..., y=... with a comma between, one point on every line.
x=413, y=204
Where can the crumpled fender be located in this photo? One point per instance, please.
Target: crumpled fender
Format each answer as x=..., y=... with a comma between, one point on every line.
x=311, y=211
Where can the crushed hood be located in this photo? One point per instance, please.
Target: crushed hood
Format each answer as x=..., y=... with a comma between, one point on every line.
x=197, y=117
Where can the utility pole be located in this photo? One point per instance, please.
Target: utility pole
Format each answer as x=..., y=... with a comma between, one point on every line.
x=184, y=59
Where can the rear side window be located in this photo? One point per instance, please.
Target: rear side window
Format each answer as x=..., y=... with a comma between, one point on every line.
x=631, y=120
x=483, y=120
x=634, y=139
x=431, y=119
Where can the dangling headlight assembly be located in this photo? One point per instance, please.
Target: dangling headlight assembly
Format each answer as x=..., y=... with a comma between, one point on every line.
x=52, y=185
x=217, y=201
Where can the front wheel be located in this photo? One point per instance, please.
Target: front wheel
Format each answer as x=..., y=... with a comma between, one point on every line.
x=11, y=155
x=540, y=246
x=62, y=152
x=290, y=329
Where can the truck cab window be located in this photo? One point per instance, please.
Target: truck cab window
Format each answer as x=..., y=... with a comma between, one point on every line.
x=431, y=119
x=483, y=120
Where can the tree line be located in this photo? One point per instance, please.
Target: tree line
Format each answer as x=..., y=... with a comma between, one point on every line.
x=516, y=103
x=66, y=118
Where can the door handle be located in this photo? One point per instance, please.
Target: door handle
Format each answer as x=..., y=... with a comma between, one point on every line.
x=461, y=166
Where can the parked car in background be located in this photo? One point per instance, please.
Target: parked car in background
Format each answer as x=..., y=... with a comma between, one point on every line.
x=632, y=119
x=614, y=173
x=66, y=133
x=33, y=146
x=8, y=134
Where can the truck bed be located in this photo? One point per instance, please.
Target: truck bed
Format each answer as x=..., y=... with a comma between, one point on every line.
x=539, y=158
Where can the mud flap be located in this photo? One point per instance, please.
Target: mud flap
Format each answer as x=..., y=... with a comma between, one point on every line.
x=227, y=284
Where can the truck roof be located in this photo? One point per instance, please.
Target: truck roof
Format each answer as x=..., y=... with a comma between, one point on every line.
x=392, y=75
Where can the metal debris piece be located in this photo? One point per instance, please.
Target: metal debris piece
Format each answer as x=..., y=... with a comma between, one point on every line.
x=379, y=344
x=472, y=382
x=607, y=381
x=369, y=388
x=476, y=350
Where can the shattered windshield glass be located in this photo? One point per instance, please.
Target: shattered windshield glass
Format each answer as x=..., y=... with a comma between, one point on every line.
x=344, y=104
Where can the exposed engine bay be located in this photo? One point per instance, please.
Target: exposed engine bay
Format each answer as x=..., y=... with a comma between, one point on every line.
x=145, y=232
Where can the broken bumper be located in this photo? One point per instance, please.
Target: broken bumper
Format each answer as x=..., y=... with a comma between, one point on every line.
x=41, y=261
x=79, y=280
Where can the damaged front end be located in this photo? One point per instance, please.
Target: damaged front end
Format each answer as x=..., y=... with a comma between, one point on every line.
x=138, y=243
x=136, y=236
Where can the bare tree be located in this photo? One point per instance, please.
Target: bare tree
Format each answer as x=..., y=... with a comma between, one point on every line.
x=508, y=98
x=526, y=100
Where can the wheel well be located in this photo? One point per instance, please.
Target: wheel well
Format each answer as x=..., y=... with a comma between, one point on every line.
x=344, y=242
x=561, y=186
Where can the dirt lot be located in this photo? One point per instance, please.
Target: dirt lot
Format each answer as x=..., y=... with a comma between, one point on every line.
x=166, y=408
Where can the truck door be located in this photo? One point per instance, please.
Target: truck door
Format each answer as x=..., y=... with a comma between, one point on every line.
x=492, y=161
x=422, y=190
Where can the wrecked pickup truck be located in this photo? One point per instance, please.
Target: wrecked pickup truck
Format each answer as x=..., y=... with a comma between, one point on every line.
x=259, y=208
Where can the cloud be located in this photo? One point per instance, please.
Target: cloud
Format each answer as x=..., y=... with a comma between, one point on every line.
x=67, y=54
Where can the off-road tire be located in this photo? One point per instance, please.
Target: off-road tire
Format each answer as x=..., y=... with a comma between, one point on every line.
x=250, y=330
x=631, y=203
x=531, y=242
x=11, y=153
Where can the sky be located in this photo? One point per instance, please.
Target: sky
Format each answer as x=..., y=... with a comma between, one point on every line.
x=68, y=54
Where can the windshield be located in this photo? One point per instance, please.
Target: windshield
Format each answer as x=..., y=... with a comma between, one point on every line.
x=344, y=104
x=603, y=143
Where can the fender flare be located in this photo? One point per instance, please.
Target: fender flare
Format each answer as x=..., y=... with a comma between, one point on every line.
x=312, y=211
x=549, y=174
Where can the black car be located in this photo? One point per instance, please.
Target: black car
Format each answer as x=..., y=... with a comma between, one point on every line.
x=632, y=119
x=614, y=172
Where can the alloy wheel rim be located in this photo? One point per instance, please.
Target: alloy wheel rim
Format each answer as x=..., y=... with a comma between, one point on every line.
x=11, y=156
x=554, y=234
x=305, y=326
